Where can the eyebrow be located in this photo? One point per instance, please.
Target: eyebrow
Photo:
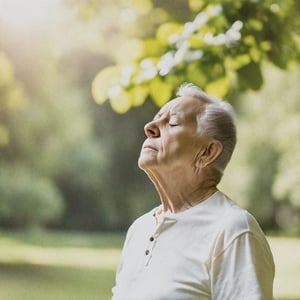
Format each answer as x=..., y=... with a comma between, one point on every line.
x=157, y=115
x=170, y=113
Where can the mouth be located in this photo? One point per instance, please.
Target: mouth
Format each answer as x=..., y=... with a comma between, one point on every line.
x=149, y=147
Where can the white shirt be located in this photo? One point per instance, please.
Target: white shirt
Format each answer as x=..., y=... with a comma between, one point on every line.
x=214, y=250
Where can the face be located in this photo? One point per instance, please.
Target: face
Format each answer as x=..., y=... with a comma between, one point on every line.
x=172, y=142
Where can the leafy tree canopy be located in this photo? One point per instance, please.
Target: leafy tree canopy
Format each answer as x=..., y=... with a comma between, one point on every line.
x=220, y=49
x=12, y=95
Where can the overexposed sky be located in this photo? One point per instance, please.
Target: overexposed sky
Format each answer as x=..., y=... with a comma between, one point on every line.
x=29, y=13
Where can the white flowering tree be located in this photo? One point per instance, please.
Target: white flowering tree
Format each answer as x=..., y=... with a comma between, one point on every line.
x=221, y=50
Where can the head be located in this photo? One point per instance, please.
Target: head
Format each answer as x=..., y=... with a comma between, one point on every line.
x=217, y=121
x=193, y=131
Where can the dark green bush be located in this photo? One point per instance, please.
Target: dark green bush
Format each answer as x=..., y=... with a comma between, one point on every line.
x=27, y=199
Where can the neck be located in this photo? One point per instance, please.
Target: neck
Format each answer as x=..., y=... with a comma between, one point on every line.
x=180, y=192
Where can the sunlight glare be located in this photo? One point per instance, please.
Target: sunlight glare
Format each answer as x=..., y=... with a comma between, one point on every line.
x=29, y=13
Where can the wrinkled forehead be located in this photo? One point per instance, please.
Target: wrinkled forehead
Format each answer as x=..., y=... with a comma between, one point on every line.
x=186, y=105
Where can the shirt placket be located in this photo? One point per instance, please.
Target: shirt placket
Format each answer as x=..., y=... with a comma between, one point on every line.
x=163, y=225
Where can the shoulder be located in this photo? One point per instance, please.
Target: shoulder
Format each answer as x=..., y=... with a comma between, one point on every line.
x=141, y=223
x=145, y=218
x=236, y=218
x=236, y=222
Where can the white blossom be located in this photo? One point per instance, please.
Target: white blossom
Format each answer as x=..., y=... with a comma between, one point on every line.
x=148, y=71
x=181, y=52
x=201, y=19
x=231, y=36
x=126, y=74
x=233, y=33
x=114, y=91
x=194, y=55
x=166, y=63
x=189, y=29
x=174, y=38
x=237, y=25
x=217, y=9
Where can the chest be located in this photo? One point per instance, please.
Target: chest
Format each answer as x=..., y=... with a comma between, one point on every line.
x=168, y=263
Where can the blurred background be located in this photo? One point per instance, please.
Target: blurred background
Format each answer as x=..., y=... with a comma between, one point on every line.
x=78, y=81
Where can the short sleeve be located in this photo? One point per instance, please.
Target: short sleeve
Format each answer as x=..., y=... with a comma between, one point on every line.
x=244, y=270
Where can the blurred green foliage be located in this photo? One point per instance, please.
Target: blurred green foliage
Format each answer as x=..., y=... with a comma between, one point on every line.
x=12, y=95
x=267, y=157
x=27, y=199
x=220, y=48
x=67, y=162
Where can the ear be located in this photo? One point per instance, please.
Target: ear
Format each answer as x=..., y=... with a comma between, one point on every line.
x=212, y=151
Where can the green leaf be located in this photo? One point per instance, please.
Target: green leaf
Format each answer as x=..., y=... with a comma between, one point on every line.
x=121, y=102
x=131, y=50
x=138, y=94
x=250, y=76
x=265, y=45
x=175, y=79
x=196, y=75
x=255, y=24
x=219, y=88
x=249, y=40
x=152, y=48
x=196, y=5
x=142, y=6
x=104, y=80
x=196, y=40
x=237, y=62
x=160, y=91
x=255, y=54
x=166, y=30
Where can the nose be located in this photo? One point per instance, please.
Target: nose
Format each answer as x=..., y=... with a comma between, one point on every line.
x=151, y=130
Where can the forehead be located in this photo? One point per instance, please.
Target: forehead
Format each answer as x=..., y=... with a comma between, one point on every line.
x=186, y=106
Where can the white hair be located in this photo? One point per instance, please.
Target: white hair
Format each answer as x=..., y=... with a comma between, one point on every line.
x=217, y=121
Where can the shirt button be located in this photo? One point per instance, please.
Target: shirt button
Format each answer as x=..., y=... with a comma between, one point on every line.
x=147, y=252
x=151, y=239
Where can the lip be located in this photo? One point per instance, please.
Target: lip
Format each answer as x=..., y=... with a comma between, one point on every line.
x=149, y=147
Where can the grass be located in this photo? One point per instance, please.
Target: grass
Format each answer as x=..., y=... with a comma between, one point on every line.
x=25, y=281
x=60, y=266
x=81, y=266
x=286, y=252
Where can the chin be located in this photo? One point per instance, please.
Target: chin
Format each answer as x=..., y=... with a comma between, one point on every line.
x=144, y=163
x=141, y=163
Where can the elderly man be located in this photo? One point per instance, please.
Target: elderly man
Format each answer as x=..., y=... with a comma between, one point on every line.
x=198, y=244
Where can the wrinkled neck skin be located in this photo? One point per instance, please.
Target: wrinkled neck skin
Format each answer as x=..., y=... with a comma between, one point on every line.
x=179, y=190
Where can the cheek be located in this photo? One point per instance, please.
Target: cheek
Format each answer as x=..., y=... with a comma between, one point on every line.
x=179, y=145
x=187, y=147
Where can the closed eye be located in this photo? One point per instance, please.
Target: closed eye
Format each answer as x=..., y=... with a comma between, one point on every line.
x=173, y=124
